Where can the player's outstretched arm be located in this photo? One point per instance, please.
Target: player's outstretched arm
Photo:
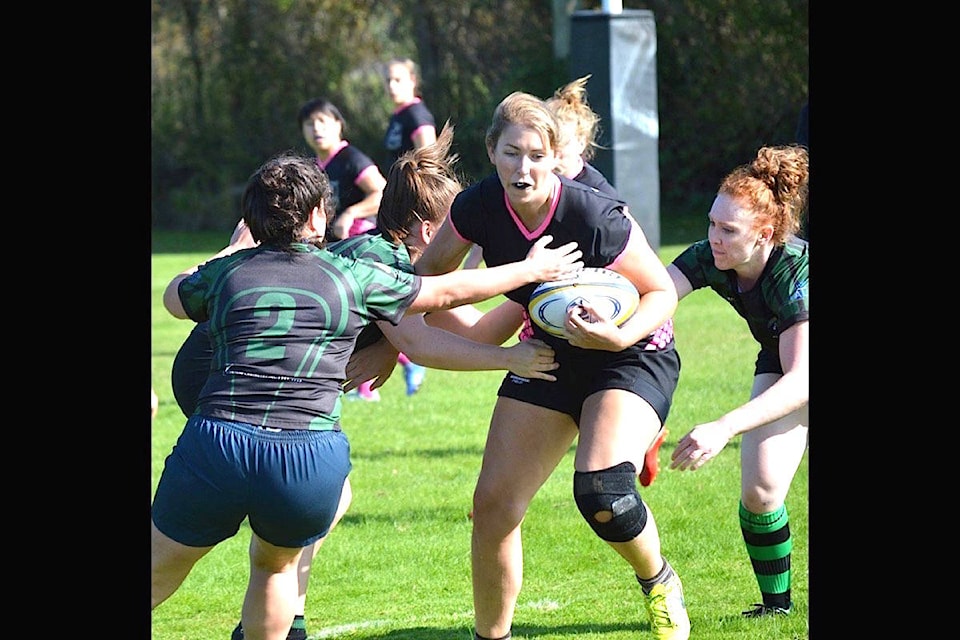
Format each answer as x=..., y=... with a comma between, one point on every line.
x=466, y=286
x=495, y=326
x=788, y=394
x=441, y=349
x=378, y=361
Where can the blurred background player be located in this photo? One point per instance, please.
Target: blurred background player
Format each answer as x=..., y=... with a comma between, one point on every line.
x=355, y=179
x=411, y=126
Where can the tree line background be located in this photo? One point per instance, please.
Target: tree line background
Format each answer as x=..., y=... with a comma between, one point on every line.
x=228, y=77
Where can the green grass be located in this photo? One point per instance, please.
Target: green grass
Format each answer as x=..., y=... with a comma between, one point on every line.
x=398, y=566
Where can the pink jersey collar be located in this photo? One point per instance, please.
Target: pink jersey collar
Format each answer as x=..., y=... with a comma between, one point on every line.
x=323, y=163
x=536, y=233
x=406, y=104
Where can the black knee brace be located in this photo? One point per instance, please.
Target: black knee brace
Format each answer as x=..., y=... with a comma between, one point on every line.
x=611, y=494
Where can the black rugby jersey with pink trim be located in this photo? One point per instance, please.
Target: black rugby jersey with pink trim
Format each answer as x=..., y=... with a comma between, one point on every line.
x=344, y=169
x=595, y=221
x=404, y=122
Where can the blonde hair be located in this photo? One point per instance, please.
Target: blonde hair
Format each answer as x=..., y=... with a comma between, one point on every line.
x=411, y=67
x=421, y=186
x=524, y=110
x=774, y=187
x=569, y=104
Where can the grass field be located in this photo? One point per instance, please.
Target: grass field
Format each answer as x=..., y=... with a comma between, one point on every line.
x=398, y=566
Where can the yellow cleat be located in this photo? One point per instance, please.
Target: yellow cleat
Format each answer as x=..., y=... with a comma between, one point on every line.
x=668, y=610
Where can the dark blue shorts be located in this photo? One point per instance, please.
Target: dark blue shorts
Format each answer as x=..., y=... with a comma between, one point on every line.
x=287, y=481
x=652, y=375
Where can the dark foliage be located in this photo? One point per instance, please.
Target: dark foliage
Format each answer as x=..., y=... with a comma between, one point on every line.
x=228, y=77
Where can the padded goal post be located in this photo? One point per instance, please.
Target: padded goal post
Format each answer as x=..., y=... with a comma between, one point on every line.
x=620, y=51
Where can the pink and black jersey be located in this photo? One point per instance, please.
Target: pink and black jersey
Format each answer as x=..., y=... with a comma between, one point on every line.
x=404, y=122
x=344, y=169
x=595, y=221
x=601, y=228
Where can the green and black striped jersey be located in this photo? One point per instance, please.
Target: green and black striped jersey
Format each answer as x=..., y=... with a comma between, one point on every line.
x=283, y=326
x=373, y=246
x=779, y=299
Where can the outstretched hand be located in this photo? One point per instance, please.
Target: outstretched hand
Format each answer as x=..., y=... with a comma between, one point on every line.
x=532, y=359
x=554, y=264
x=699, y=446
x=375, y=362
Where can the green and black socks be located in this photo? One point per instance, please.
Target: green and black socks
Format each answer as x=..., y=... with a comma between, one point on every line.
x=768, y=541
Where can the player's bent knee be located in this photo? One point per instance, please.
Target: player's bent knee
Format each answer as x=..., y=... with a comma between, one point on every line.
x=610, y=503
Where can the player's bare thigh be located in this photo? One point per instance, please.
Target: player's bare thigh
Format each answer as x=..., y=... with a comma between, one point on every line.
x=615, y=426
x=771, y=454
x=524, y=445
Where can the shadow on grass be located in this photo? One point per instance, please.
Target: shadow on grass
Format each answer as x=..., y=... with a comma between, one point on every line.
x=520, y=632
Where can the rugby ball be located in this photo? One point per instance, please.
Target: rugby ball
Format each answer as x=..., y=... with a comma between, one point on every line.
x=613, y=295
